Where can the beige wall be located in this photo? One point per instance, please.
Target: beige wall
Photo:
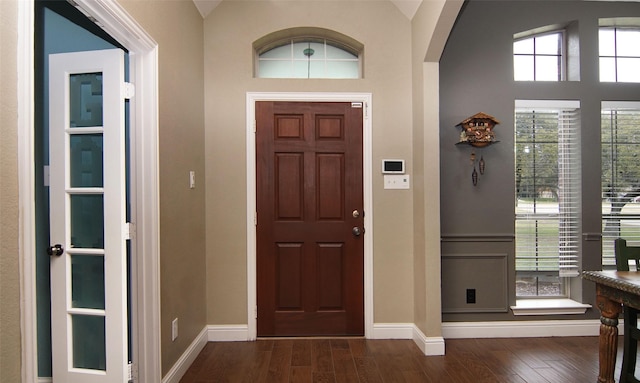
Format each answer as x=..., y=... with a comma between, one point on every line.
x=229, y=33
x=203, y=272
x=177, y=28
x=10, y=347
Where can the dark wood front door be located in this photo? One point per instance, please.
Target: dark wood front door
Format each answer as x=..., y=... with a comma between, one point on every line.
x=310, y=263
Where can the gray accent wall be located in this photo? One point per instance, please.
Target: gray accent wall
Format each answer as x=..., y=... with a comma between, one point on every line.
x=476, y=75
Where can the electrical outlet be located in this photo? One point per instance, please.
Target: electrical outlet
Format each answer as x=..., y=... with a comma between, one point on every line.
x=174, y=329
x=471, y=295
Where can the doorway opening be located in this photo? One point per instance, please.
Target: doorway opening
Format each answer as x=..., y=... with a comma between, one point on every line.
x=143, y=188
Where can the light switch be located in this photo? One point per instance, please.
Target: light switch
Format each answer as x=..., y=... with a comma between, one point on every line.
x=396, y=181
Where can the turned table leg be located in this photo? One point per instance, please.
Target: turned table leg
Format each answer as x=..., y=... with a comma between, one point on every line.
x=608, y=337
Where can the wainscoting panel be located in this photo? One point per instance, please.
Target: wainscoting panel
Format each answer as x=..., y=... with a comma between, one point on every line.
x=475, y=283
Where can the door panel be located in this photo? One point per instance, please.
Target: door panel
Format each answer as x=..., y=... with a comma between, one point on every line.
x=310, y=264
x=87, y=217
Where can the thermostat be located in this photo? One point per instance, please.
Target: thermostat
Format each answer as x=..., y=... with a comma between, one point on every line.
x=393, y=166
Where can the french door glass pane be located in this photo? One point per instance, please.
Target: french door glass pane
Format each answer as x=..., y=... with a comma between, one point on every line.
x=87, y=221
x=85, y=93
x=86, y=160
x=87, y=281
x=89, y=349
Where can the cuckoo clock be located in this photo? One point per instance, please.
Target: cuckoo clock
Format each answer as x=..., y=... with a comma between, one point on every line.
x=477, y=131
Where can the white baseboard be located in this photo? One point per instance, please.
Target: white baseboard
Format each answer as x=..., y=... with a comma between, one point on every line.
x=428, y=345
x=392, y=331
x=228, y=333
x=186, y=360
x=522, y=329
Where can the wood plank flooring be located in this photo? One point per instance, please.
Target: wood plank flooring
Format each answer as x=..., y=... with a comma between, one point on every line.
x=504, y=360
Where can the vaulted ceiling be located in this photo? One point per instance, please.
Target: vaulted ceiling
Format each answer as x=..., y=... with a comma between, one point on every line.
x=407, y=7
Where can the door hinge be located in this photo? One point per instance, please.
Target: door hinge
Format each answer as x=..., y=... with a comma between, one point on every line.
x=129, y=230
x=46, y=176
x=131, y=372
x=256, y=312
x=129, y=90
x=255, y=126
x=255, y=218
x=357, y=105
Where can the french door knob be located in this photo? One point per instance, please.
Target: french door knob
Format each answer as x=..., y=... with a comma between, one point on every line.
x=56, y=250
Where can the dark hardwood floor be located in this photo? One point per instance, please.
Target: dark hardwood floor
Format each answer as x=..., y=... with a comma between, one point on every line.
x=504, y=360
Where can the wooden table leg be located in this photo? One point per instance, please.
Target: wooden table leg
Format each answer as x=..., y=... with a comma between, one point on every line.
x=608, y=337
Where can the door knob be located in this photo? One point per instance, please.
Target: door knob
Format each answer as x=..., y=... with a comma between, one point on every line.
x=56, y=249
x=357, y=231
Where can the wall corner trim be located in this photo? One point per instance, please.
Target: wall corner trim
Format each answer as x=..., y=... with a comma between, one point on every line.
x=428, y=345
x=187, y=358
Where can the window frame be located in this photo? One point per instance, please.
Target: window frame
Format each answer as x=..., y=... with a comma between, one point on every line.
x=562, y=57
x=308, y=34
x=615, y=56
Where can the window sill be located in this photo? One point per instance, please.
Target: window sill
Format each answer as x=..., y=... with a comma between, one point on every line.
x=548, y=307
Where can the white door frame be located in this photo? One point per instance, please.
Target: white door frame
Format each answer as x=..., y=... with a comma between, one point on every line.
x=144, y=182
x=365, y=98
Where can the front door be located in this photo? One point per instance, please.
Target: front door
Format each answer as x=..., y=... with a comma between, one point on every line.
x=87, y=217
x=310, y=248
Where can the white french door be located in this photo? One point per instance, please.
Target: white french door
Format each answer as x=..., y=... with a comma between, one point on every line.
x=88, y=217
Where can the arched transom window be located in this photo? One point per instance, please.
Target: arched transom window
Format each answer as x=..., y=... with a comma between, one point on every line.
x=308, y=56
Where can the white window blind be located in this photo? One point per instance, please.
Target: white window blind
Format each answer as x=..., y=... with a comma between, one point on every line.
x=548, y=194
x=620, y=176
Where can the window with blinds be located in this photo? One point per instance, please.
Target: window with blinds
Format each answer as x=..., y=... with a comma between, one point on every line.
x=548, y=196
x=620, y=176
